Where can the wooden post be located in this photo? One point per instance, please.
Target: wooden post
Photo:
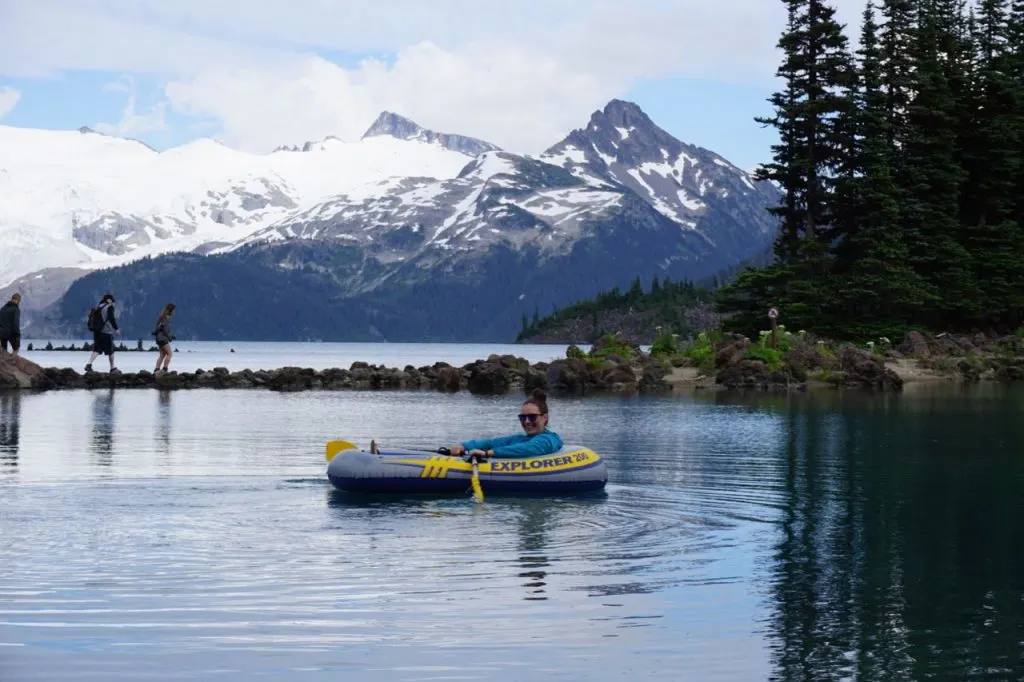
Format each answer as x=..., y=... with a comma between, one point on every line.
x=773, y=315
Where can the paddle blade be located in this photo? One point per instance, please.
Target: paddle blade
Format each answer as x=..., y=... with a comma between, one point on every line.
x=478, y=492
x=336, y=446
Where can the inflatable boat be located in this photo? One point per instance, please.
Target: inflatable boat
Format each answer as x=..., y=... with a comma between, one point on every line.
x=573, y=469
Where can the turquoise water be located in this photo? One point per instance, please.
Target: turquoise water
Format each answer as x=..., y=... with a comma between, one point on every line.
x=192, y=535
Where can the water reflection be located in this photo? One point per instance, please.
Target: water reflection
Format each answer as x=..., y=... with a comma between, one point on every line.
x=102, y=441
x=898, y=550
x=532, y=525
x=163, y=430
x=10, y=428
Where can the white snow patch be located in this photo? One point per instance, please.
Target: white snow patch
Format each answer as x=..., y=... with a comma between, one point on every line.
x=54, y=181
x=689, y=202
x=490, y=164
x=571, y=154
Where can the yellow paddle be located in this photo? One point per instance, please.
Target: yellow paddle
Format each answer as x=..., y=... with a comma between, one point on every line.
x=336, y=446
x=478, y=491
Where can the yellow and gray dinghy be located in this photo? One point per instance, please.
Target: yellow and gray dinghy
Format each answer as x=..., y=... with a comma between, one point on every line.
x=573, y=469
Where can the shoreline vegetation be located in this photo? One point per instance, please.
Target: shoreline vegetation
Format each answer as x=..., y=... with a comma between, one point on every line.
x=614, y=365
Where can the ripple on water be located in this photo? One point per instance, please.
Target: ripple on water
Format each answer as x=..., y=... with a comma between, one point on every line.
x=264, y=566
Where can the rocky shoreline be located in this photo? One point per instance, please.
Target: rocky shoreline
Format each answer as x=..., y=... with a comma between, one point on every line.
x=612, y=366
x=494, y=376
x=802, y=362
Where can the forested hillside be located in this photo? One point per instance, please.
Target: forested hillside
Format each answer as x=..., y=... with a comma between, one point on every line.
x=679, y=307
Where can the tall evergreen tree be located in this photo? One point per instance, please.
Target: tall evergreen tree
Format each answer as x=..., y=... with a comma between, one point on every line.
x=897, y=33
x=992, y=232
x=880, y=291
x=808, y=113
x=932, y=179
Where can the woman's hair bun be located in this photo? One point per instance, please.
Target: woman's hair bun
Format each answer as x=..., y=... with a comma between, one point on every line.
x=539, y=394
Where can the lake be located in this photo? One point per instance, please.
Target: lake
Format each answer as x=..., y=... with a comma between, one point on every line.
x=192, y=535
x=238, y=355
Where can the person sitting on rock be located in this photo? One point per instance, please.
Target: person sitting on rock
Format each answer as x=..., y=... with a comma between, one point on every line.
x=10, y=324
x=536, y=442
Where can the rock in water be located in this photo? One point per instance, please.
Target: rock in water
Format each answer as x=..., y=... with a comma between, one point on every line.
x=17, y=372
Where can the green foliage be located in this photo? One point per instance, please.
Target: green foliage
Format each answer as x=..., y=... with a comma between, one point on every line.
x=666, y=298
x=574, y=352
x=665, y=346
x=771, y=357
x=902, y=169
x=611, y=346
x=701, y=352
x=1020, y=332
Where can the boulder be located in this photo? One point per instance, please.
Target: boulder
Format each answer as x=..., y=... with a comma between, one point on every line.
x=915, y=345
x=865, y=370
x=447, y=379
x=568, y=376
x=488, y=378
x=19, y=372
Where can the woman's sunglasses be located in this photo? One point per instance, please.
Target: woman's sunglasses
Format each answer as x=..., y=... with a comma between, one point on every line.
x=532, y=418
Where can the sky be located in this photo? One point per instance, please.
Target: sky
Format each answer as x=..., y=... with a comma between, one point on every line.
x=256, y=74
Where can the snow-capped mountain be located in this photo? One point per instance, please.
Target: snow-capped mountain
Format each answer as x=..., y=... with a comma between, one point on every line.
x=622, y=145
x=551, y=201
x=399, y=127
x=83, y=199
x=462, y=256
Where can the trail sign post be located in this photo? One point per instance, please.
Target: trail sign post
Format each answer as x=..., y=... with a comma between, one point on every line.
x=773, y=315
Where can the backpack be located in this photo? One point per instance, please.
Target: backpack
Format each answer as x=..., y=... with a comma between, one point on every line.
x=95, y=320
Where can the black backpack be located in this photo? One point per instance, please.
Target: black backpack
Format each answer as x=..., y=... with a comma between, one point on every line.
x=95, y=320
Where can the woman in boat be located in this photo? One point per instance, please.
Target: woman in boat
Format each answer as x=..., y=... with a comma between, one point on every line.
x=537, y=440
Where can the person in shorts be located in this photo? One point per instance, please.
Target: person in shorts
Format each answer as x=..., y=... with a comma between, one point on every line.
x=163, y=338
x=104, y=325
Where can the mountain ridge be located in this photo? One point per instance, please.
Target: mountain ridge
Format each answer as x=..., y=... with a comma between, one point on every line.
x=408, y=255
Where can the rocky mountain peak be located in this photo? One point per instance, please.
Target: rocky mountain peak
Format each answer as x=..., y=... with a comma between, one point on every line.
x=620, y=114
x=395, y=125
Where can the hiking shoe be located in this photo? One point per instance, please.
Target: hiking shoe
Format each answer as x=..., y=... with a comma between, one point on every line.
x=88, y=368
x=115, y=370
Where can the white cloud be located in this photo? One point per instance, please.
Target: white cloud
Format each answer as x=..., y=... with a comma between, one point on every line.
x=518, y=74
x=132, y=122
x=508, y=96
x=8, y=100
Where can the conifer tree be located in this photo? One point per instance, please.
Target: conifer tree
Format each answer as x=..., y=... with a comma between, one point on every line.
x=992, y=232
x=932, y=180
x=808, y=113
x=879, y=291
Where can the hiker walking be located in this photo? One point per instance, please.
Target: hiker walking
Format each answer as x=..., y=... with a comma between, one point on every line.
x=103, y=325
x=10, y=324
x=163, y=338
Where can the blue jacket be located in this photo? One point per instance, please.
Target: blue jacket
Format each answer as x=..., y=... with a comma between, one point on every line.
x=519, y=445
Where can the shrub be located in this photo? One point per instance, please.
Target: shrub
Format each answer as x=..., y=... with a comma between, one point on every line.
x=701, y=351
x=611, y=345
x=665, y=345
x=771, y=357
